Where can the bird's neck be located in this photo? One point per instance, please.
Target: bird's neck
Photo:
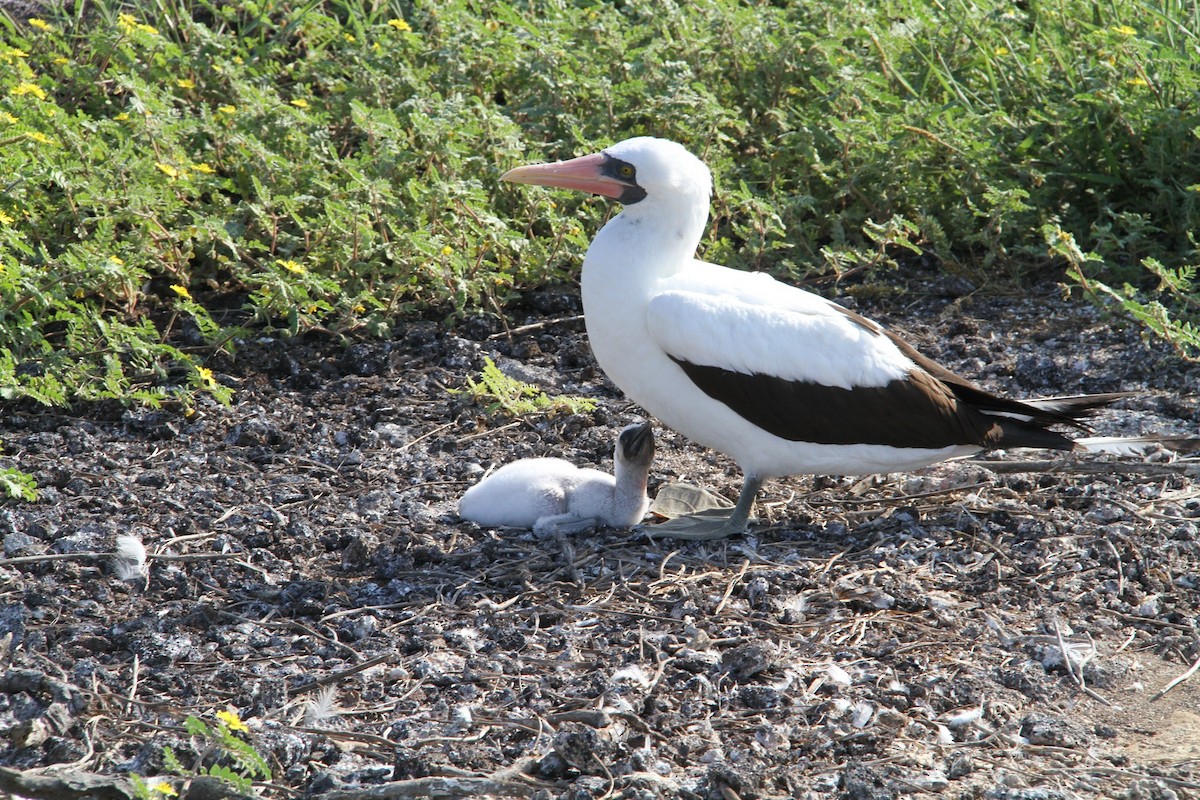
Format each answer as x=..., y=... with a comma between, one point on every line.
x=653, y=241
x=630, y=488
x=628, y=263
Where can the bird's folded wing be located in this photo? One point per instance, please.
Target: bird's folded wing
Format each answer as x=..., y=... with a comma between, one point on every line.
x=795, y=337
x=806, y=371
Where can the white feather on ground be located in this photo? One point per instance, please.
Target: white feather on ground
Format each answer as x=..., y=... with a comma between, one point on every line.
x=129, y=559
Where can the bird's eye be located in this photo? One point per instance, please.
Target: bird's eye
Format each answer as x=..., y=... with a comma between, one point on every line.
x=625, y=171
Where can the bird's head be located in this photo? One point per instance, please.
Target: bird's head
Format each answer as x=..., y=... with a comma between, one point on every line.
x=635, y=445
x=630, y=171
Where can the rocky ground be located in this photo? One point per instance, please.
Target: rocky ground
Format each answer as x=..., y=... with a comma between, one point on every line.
x=1003, y=628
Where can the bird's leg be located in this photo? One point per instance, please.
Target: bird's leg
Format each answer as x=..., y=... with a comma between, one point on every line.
x=564, y=524
x=745, y=504
x=714, y=523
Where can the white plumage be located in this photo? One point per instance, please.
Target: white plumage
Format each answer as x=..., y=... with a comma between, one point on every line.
x=780, y=379
x=719, y=328
x=551, y=495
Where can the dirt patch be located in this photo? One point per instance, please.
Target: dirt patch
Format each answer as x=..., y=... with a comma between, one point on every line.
x=1149, y=726
x=916, y=635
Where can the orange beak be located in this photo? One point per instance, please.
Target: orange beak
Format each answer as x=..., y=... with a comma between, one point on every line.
x=586, y=174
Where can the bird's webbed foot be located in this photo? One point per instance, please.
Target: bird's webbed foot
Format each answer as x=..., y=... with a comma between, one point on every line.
x=713, y=523
x=707, y=522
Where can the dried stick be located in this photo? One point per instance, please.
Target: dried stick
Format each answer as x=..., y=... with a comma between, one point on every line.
x=7, y=562
x=346, y=673
x=1088, y=467
x=1076, y=671
x=535, y=326
x=63, y=786
x=1190, y=672
x=508, y=782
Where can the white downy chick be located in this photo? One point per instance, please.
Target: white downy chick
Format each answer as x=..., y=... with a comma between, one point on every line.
x=551, y=495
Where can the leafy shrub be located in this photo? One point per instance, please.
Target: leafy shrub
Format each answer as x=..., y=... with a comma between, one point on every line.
x=179, y=176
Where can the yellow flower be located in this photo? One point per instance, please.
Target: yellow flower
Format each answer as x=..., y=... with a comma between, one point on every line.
x=185, y=83
x=164, y=788
x=182, y=291
x=128, y=24
x=400, y=25
x=290, y=266
x=22, y=89
x=1124, y=30
x=1137, y=82
x=40, y=24
x=1000, y=51
x=117, y=260
x=121, y=117
x=40, y=137
x=230, y=718
x=60, y=60
x=447, y=250
x=5, y=219
x=349, y=37
x=9, y=118
x=203, y=167
x=15, y=53
x=300, y=102
x=167, y=169
x=227, y=109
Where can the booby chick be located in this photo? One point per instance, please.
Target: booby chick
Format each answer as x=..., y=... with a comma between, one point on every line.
x=784, y=381
x=551, y=495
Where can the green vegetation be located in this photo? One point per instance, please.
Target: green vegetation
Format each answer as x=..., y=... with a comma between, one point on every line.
x=17, y=485
x=230, y=759
x=501, y=394
x=173, y=179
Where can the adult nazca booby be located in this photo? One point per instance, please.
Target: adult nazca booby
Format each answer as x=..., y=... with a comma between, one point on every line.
x=780, y=379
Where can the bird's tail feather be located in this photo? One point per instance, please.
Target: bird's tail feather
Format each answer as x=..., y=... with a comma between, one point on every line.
x=1077, y=405
x=1044, y=411
x=1137, y=445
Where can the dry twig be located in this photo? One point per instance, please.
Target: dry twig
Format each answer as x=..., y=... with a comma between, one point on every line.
x=1075, y=670
x=1190, y=467
x=509, y=782
x=1190, y=672
x=45, y=785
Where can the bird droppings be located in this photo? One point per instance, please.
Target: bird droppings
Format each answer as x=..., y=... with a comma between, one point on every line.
x=958, y=632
